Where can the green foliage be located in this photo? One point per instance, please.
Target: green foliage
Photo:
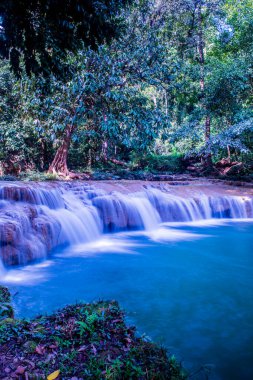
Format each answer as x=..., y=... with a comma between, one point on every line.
x=87, y=340
x=156, y=163
x=42, y=32
x=8, y=177
x=4, y=295
x=140, y=95
x=6, y=310
x=21, y=146
x=38, y=176
x=177, y=371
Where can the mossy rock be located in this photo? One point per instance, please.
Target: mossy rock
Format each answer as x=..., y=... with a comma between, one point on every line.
x=6, y=310
x=5, y=295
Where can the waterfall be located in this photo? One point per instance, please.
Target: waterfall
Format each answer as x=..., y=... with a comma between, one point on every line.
x=35, y=219
x=174, y=208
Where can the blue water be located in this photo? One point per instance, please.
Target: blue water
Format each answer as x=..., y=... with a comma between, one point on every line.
x=188, y=287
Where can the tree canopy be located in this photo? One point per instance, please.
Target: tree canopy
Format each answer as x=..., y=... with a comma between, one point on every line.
x=175, y=80
x=43, y=31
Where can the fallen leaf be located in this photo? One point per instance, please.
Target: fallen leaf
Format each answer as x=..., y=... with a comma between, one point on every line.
x=94, y=350
x=53, y=375
x=116, y=320
x=52, y=346
x=82, y=348
x=20, y=370
x=40, y=350
x=29, y=362
x=50, y=358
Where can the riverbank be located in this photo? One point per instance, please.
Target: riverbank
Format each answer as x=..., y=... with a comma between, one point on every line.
x=130, y=175
x=78, y=342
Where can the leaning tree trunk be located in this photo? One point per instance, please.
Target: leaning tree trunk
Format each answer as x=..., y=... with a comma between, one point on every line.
x=59, y=164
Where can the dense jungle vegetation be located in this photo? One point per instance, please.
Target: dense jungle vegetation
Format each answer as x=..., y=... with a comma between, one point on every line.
x=158, y=85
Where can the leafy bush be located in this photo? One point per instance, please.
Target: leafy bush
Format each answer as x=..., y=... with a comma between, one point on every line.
x=8, y=177
x=84, y=340
x=156, y=163
x=38, y=176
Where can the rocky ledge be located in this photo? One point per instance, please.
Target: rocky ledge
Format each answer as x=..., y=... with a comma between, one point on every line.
x=31, y=224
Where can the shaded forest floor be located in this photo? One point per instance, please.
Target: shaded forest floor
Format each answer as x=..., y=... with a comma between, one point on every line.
x=146, y=168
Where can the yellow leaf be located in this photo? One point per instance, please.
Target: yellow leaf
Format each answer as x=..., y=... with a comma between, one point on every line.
x=53, y=375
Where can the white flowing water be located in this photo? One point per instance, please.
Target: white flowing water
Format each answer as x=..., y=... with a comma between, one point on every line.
x=188, y=285
x=183, y=281
x=35, y=219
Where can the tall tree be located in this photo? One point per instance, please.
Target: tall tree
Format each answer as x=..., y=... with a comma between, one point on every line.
x=201, y=57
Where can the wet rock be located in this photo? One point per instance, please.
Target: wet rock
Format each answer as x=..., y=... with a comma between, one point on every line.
x=5, y=295
x=24, y=235
x=17, y=194
x=10, y=255
x=112, y=212
x=9, y=232
x=32, y=249
x=6, y=310
x=30, y=211
x=29, y=231
x=48, y=231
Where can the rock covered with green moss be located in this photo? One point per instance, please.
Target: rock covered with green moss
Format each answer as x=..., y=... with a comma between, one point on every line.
x=83, y=341
x=6, y=310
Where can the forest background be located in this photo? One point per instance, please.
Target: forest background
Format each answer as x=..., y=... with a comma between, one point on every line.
x=158, y=86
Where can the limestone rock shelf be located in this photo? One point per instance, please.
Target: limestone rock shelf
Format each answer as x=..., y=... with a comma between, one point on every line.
x=35, y=218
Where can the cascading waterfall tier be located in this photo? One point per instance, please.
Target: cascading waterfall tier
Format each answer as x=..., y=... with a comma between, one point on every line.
x=35, y=219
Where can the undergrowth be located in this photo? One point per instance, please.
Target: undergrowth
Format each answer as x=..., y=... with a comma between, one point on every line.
x=88, y=341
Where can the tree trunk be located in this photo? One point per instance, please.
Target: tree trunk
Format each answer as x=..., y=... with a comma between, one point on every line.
x=89, y=159
x=208, y=157
x=207, y=128
x=229, y=153
x=105, y=150
x=59, y=164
